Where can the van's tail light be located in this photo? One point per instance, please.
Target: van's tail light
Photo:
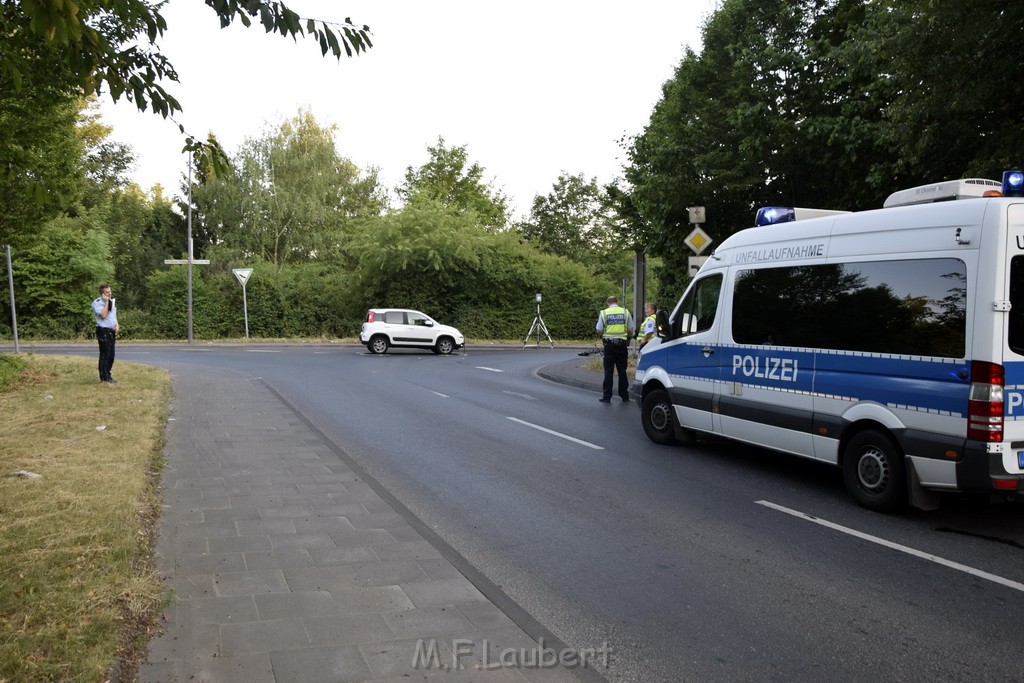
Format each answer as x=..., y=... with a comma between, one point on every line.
x=369, y=317
x=985, y=405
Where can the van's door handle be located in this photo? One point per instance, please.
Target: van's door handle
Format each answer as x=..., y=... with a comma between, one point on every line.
x=707, y=351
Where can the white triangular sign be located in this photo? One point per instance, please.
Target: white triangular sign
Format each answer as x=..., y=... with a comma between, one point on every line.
x=242, y=274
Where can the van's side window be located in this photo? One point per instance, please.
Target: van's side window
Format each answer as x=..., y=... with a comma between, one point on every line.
x=699, y=306
x=910, y=307
x=1015, y=328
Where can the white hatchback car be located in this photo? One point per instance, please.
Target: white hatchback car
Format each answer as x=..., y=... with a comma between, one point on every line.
x=387, y=327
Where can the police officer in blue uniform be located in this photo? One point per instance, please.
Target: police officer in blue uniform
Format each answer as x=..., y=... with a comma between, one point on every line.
x=616, y=327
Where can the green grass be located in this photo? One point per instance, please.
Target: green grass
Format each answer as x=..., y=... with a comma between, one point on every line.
x=78, y=592
x=11, y=368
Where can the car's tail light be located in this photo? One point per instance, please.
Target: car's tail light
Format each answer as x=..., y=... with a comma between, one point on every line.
x=369, y=317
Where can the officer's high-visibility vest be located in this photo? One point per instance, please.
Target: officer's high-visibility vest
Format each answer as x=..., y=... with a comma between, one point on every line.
x=616, y=322
x=644, y=334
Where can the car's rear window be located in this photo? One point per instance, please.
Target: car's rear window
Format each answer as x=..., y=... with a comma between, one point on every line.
x=394, y=317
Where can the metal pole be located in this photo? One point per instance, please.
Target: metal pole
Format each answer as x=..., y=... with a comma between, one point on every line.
x=189, y=245
x=10, y=287
x=639, y=285
x=245, y=308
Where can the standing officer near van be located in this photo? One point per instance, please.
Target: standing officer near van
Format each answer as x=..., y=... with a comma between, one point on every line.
x=104, y=309
x=648, y=327
x=616, y=325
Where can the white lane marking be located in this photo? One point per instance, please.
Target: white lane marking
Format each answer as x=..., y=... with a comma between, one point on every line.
x=516, y=393
x=896, y=546
x=438, y=393
x=558, y=434
x=263, y=350
x=481, y=367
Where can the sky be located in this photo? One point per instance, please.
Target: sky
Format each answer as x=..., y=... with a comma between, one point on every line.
x=532, y=88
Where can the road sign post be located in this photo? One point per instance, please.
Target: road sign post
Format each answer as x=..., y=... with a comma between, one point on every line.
x=697, y=240
x=10, y=287
x=242, y=274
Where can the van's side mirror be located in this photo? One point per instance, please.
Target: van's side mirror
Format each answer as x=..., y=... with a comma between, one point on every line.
x=662, y=325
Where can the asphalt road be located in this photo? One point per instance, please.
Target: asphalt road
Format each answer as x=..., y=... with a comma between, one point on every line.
x=707, y=562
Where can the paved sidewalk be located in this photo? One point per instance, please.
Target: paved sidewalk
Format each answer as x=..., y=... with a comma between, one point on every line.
x=288, y=564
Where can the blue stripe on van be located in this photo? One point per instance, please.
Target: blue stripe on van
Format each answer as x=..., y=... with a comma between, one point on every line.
x=932, y=385
x=926, y=384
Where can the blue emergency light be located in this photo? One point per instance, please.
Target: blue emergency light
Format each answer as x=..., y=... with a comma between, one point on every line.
x=770, y=215
x=1013, y=183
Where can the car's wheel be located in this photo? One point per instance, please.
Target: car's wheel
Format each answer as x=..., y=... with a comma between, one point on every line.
x=378, y=344
x=444, y=346
x=874, y=472
x=656, y=416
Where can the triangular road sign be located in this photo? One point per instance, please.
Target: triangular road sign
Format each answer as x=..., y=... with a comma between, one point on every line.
x=242, y=274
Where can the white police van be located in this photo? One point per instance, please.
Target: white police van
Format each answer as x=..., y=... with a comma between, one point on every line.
x=888, y=342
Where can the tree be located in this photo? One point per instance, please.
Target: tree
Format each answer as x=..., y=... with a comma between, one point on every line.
x=955, y=109
x=58, y=274
x=450, y=179
x=113, y=44
x=442, y=261
x=577, y=220
x=779, y=108
x=40, y=151
x=144, y=230
x=572, y=220
x=105, y=163
x=290, y=197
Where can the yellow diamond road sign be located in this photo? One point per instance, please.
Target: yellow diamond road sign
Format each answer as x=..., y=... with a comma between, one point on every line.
x=698, y=240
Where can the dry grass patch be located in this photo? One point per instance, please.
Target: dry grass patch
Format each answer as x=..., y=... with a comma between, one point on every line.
x=77, y=585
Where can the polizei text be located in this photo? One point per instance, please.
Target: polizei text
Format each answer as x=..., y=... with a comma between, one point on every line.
x=766, y=367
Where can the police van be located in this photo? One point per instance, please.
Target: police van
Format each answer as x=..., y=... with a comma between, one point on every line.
x=887, y=342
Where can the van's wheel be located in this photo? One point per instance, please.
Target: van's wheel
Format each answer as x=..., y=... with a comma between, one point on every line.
x=656, y=416
x=378, y=344
x=874, y=472
x=444, y=346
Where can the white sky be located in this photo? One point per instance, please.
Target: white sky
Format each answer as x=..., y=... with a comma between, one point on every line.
x=531, y=88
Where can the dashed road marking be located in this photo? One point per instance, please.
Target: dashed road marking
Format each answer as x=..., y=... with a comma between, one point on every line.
x=558, y=434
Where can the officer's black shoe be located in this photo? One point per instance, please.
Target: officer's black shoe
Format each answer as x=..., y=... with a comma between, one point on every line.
x=625, y=399
x=605, y=400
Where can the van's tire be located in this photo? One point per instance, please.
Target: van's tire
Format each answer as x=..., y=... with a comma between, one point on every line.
x=656, y=414
x=378, y=344
x=874, y=471
x=444, y=346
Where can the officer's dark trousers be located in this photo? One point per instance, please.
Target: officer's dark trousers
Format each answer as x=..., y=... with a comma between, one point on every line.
x=616, y=353
x=106, y=338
